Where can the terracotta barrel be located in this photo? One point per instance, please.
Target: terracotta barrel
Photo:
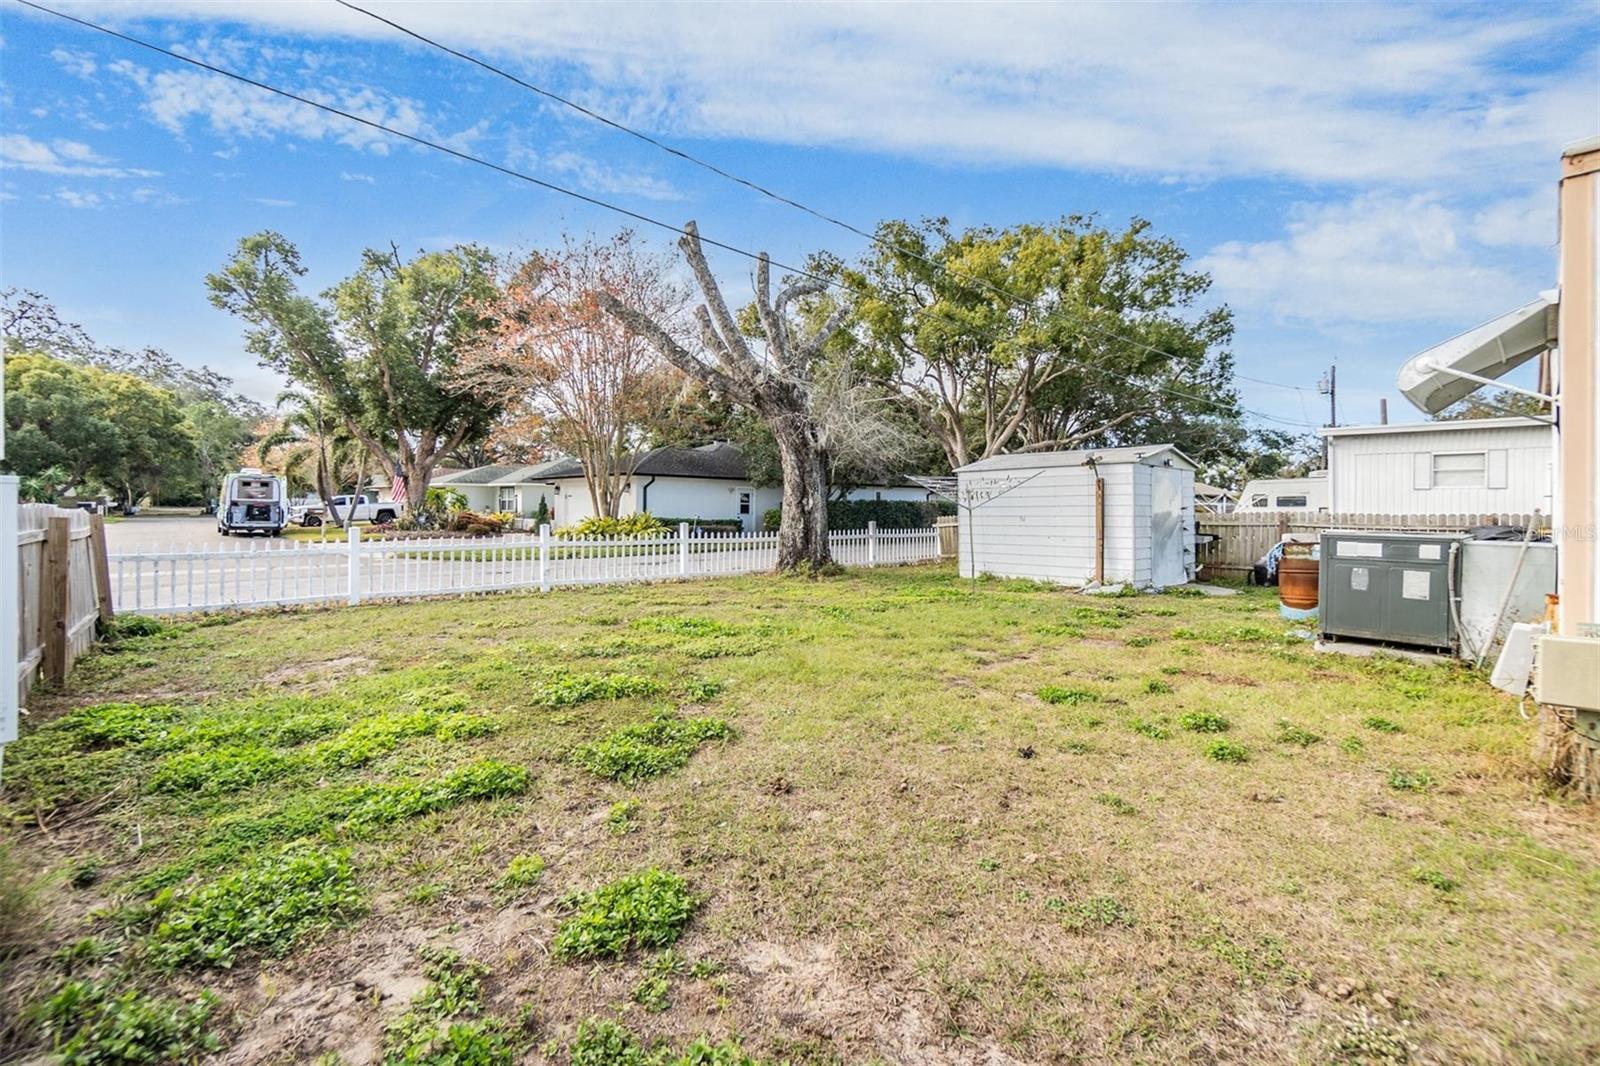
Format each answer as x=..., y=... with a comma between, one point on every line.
x=1297, y=582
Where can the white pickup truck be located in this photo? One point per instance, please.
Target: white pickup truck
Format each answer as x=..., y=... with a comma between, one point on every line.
x=363, y=508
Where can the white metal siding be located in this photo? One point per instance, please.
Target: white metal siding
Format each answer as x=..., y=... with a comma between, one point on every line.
x=1044, y=527
x=1392, y=473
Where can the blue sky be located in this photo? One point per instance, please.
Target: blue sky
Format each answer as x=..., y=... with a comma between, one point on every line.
x=1361, y=180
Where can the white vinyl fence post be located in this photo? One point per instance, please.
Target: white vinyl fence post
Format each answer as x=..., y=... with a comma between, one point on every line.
x=544, y=557
x=683, y=549
x=354, y=540
x=10, y=612
x=872, y=544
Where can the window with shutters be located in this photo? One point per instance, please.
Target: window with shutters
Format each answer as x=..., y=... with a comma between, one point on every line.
x=1460, y=470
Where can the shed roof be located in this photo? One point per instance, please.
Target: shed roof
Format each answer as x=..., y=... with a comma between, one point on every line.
x=1132, y=453
x=1448, y=425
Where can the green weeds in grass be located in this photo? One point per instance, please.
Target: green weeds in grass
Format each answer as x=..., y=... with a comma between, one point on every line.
x=1371, y=1040
x=522, y=873
x=1116, y=803
x=443, y=1027
x=602, y=1042
x=1146, y=728
x=1140, y=642
x=265, y=908
x=649, y=749
x=1352, y=745
x=1061, y=629
x=1227, y=751
x=1099, y=912
x=1204, y=722
x=1256, y=961
x=1435, y=879
x=644, y=910
x=654, y=990
x=1410, y=780
x=1289, y=733
x=1157, y=687
x=623, y=818
x=1059, y=694
x=1379, y=724
x=88, y=1023
x=563, y=688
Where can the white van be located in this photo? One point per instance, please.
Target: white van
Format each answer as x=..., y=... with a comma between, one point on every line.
x=1286, y=493
x=253, y=502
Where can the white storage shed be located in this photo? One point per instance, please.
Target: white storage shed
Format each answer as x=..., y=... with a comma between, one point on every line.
x=1107, y=515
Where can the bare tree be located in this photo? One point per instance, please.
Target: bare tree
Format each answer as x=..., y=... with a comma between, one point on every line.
x=588, y=386
x=776, y=384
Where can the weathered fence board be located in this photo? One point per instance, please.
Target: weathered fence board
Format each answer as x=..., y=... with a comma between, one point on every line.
x=1241, y=538
x=58, y=592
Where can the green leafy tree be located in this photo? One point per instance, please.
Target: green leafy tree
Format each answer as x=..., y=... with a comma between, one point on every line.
x=70, y=426
x=1042, y=336
x=1500, y=403
x=381, y=347
x=308, y=446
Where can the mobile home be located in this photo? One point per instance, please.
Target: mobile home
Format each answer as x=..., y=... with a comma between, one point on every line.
x=1470, y=466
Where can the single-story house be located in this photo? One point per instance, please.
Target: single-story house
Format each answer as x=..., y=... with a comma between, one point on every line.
x=1470, y=466
x=707, y=483
x=1042, y=515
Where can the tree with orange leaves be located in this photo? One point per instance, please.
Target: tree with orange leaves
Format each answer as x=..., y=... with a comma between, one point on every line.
x=591, y=386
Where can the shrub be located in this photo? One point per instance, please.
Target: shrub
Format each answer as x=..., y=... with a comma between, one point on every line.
x=1289, y=733
x=1227, y=751
x=889, y=514
x=1060, y=694
x=1204, y=722
x=642, y=524
x=89, y=1025
x=474, y=524
x=266, y=907
x=649, y=749
x=643, y=910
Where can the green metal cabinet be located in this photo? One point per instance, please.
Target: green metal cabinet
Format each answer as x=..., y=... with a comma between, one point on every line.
x=1390, y=587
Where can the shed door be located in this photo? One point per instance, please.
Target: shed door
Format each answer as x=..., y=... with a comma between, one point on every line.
x=1166, y=527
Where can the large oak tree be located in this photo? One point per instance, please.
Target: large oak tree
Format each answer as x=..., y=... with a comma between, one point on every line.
x=379, y=349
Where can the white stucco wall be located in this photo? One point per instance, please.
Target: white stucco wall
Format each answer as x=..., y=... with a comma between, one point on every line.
x=1390, y=473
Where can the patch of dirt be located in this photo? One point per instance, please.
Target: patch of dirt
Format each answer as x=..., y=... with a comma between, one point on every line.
x=303, y=673
x=806, y=988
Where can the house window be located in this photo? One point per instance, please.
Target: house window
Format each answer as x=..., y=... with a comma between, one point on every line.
x=1291, y=501
x=744, y=503
x=1258, y=501
x=506, y=500
x=1460, y=470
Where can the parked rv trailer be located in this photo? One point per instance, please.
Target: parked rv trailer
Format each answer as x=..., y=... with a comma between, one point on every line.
x=253, y=502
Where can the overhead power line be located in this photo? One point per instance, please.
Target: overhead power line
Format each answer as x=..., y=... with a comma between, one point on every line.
x=754, y=186
x=594, y=201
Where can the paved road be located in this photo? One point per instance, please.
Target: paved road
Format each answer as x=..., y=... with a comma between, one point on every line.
x=158, y=534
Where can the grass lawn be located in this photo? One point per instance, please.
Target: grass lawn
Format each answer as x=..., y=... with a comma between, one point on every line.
x=885, y=817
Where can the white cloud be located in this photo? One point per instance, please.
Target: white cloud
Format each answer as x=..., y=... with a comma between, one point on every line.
x=78, y=64
x=1376, y=258
x=267, y=201
x=177, y=98
x=597, y=177
x=345, y=175
x=80, y=200
x=1351, y=93
x=18, y=151
x=1526, y=221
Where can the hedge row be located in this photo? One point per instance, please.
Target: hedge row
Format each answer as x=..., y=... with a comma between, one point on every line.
x=889, y=514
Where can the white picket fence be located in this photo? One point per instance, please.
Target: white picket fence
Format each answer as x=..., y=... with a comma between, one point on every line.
x=355, y=569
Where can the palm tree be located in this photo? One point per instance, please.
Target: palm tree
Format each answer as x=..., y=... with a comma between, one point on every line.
x=310, y=436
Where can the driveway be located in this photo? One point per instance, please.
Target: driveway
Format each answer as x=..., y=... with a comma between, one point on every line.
x=161, y=534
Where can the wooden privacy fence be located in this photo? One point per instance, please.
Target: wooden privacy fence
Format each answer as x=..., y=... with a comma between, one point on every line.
x=63, y=586
x=1239, y=539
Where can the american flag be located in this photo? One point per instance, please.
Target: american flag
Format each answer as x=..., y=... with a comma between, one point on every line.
x=397, y=486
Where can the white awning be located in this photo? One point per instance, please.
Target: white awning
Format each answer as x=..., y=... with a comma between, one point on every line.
x=1434, y=379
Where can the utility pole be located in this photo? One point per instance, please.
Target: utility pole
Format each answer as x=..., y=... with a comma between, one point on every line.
x=1329, y=387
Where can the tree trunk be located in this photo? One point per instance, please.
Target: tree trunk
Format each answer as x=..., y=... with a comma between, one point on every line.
x=803, y=527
